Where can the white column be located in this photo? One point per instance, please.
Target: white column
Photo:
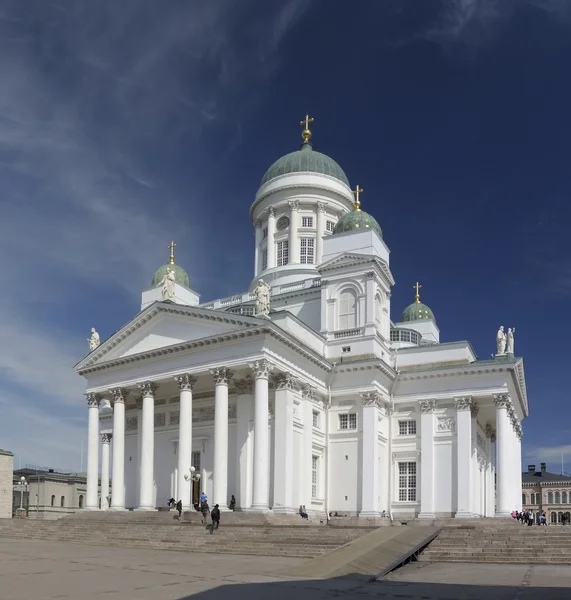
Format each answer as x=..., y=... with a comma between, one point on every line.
x=502, y=455
x=260, y=499
x=286, y=385
x=427, y=471
x=320, y=232
x=221, y=376
x=244, y=442
x=305, y=471
x=118, y=488
x=258, y=255
x=464, y=456
x=370, y=456
x=519, y=435
x=105, y=439
x=184, y=485
x=476, y=510
x=271, y=238
x=92, y=451
x=513, y=493
x=294, y=249
x=146, y=494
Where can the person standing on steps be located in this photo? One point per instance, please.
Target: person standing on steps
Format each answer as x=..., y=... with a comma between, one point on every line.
x=215, y=516
x=204, y=509
x=232, y=503
x=179, y=508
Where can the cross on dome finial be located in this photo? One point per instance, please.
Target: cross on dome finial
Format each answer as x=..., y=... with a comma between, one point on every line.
x=417, y=297
x=171, y=248
x=357, y=191
x=306, y=133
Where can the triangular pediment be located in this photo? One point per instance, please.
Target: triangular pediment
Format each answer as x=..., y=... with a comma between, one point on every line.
x=350, y=260
x=162, y=325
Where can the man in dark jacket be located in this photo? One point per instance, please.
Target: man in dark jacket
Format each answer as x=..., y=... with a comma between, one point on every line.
x=215, y=516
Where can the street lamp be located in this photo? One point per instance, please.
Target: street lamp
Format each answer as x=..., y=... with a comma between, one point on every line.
x=194, y=477
x=22, y=487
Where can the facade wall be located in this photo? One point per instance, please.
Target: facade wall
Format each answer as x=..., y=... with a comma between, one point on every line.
x=6, y=471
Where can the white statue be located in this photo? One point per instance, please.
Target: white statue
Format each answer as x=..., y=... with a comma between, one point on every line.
x=501, y=341
x=510, y=348
x=168, y=285
x=262, y=295
x=94, y=340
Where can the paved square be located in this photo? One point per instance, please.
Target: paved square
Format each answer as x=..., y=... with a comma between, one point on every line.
x=48, y=570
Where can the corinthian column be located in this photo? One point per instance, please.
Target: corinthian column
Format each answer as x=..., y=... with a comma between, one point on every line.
x=464, y=455
x=92, y=451
x=260, y=499
x=146, y=493
x=271, y=237
x=118, y=490
x=370, y=465
x=185, y=384
x=221, y=376
x=105, y=439
x=320, y=232
x=503, y=466
x=427, y=466
x=293, y=226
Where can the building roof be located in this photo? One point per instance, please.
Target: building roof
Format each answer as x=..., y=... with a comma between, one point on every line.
x=180, y=275
x=544, y=477
x=357, y=220
x=6, y=452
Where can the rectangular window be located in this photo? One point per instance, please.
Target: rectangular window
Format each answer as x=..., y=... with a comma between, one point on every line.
x=283, y=253
x=196, y=461
x=407, y=427
x=264, y=233
x=407, y=482
x=348, y=421
x=306, y=254
x=316, y=419
x=314, y=465
x=307, y=221
x=330, y=226
x=264, y=259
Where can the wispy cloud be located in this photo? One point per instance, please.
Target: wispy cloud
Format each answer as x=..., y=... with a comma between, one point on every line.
x=550, y=455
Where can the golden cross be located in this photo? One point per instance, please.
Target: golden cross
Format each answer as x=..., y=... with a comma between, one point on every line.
x=306, y=134
x=307, y=121
x=357, y=191
x=417, y=287
x=171, y=248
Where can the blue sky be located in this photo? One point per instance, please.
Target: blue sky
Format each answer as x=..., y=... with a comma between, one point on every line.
x=125, y=124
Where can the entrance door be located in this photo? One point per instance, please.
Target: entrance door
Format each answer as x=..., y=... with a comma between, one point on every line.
x=196, y=484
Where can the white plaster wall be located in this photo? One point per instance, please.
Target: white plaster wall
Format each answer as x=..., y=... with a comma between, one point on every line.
x=6, y=471
x=345, y=477
x=132, y=461
x=445, y=469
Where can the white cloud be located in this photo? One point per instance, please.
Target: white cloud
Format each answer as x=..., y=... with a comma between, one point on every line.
x=550, y=455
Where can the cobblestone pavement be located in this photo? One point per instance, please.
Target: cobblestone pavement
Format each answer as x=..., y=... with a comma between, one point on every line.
x=35, y=570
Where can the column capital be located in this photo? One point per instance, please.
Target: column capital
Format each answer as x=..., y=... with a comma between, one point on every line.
x=185, y=382
x=474, y=410
x=293, y=204
x=270, y=212
x=370, y=274
x=371, y=399
x=118, y=395
x=286, y=381
x=243, y=386
x=93, y=400
x=427, y=406
x=148, y=389
x=221, y=375
x=308, y=392
x=464, y=403
x=262, y=368
x=105, y=438
x=324, y=283
x=321, y=207
x=502, y=400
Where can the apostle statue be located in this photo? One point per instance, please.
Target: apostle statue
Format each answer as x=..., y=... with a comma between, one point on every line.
x=94, y=340
x=510, y=347
x=168, y=285
x=262, y=295
x=501, y=341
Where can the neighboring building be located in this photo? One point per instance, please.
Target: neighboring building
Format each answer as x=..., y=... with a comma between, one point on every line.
x=50, y=494
x=323, y=400
x=549, y=492
x=6, y=469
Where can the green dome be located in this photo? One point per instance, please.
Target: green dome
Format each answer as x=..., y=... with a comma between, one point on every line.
x=303, y=160
x=417, y=311
x=180, y=275
x=356, y=220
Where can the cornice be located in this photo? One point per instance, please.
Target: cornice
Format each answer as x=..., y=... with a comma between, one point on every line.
x=351, y=259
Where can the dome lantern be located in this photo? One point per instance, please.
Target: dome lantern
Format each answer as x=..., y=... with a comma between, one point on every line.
x=417, y=310
x=180, y=275
x=357, y=219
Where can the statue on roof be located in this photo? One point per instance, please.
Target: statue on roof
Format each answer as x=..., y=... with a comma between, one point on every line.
x=94, y=340
x=501, y=341
x=510, y=341
x=262, y=296
x=168, y=285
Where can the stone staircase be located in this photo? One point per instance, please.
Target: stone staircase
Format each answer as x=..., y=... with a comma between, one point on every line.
x=503, y=542
x=251, y=534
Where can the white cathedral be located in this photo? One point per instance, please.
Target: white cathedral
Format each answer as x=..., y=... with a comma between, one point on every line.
x=302, y=390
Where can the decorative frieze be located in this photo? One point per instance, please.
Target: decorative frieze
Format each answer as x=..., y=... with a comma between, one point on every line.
x=131, y=424
x=221, y=375
x=445, y=424
x=231, y=411
x=371, y=399
x=185, y=382
x=202, y=413
x=174, y=417
x=464, y=403
x=243, y=386
x=160, y=419
x=427, y=406
x=93, y=400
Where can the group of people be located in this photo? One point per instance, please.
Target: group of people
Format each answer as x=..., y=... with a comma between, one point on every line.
x=527, y=517
x=203, y=507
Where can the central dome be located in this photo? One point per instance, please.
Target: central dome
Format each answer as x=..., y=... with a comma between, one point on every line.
x=306, y=159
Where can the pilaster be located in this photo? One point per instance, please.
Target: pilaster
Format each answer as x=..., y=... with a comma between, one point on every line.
x=371, y=402
x=427, y=466
x=464, y=476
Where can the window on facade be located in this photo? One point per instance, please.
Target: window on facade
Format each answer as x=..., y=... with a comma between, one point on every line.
x=196, y=461
x=306, y=256
x=62, y=501
x=557, y=498
x=407, y=427
x=563, y=497
x=264, y=233
x=283, y=253
x=347, y=310
x=314, y=465
x=524, y=499
x=348, y=421
x=307, y=221
x=407, y=482
x=554, y=517
x=550, y=497
x=81, y=501
x=283, y=223
x=53, y=500
x=315, y=419
x=329, y=226
x=264, y=259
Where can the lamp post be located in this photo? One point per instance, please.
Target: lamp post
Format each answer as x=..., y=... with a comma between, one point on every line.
x=22, y=487
x=194, y=477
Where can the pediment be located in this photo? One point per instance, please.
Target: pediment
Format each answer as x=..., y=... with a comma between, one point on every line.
x=355, y=260
x=162, y=325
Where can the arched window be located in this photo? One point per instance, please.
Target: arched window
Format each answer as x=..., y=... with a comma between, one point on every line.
x=524, y=499
x=550, y=497
x=557, y=498
x=554, y=517
x=62, y=501
x=81, y=501
x=563, y=497
x=347, y=310
x=559, y=517
x=53, y=500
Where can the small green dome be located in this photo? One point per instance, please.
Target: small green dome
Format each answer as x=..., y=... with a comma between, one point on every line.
x=417, y=311
x=356, y=220
x=180, y=275
x=305, y=159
